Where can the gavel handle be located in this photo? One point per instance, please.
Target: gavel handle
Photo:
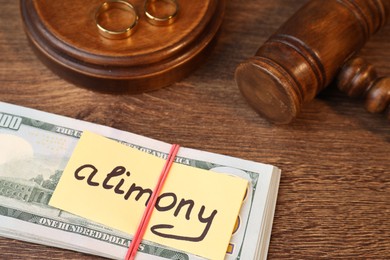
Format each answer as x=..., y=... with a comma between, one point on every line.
x=358, y=78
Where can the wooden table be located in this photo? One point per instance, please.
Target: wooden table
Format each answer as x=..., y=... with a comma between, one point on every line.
x=334, y=197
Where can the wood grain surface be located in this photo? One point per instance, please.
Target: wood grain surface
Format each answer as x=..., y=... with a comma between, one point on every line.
x=334, y=196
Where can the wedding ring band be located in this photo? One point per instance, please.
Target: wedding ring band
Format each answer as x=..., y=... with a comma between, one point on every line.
x=156, y=17
x=121, y=5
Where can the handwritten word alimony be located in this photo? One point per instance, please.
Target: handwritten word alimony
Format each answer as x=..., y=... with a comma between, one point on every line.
x=117, y=182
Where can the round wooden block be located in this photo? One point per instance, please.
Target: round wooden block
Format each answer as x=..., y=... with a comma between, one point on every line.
x=65, y=36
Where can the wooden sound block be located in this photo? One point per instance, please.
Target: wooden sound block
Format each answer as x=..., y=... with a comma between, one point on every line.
x=65, y=37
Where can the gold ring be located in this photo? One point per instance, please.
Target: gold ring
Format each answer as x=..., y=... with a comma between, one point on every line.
x=161, y=12
x=102, y=17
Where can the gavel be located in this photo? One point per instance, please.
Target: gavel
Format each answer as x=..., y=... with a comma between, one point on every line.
x=306, y=54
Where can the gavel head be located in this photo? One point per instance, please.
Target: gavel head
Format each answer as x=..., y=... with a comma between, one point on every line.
x=306, y=53
x=269, y=89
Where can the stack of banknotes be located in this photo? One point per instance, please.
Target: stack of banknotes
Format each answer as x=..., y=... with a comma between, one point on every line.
x=35, y=147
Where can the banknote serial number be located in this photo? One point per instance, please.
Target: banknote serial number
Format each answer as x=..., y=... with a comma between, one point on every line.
x=10, y=121
x=68, y=132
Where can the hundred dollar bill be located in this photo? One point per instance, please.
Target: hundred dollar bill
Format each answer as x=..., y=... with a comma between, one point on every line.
x=35, y=147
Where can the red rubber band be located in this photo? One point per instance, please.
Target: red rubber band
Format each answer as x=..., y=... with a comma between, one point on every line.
x=132, y=251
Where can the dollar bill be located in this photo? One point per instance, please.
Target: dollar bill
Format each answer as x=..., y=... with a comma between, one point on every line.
x=35, y=148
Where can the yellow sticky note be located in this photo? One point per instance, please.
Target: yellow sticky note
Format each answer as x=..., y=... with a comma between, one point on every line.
x=111, y=183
